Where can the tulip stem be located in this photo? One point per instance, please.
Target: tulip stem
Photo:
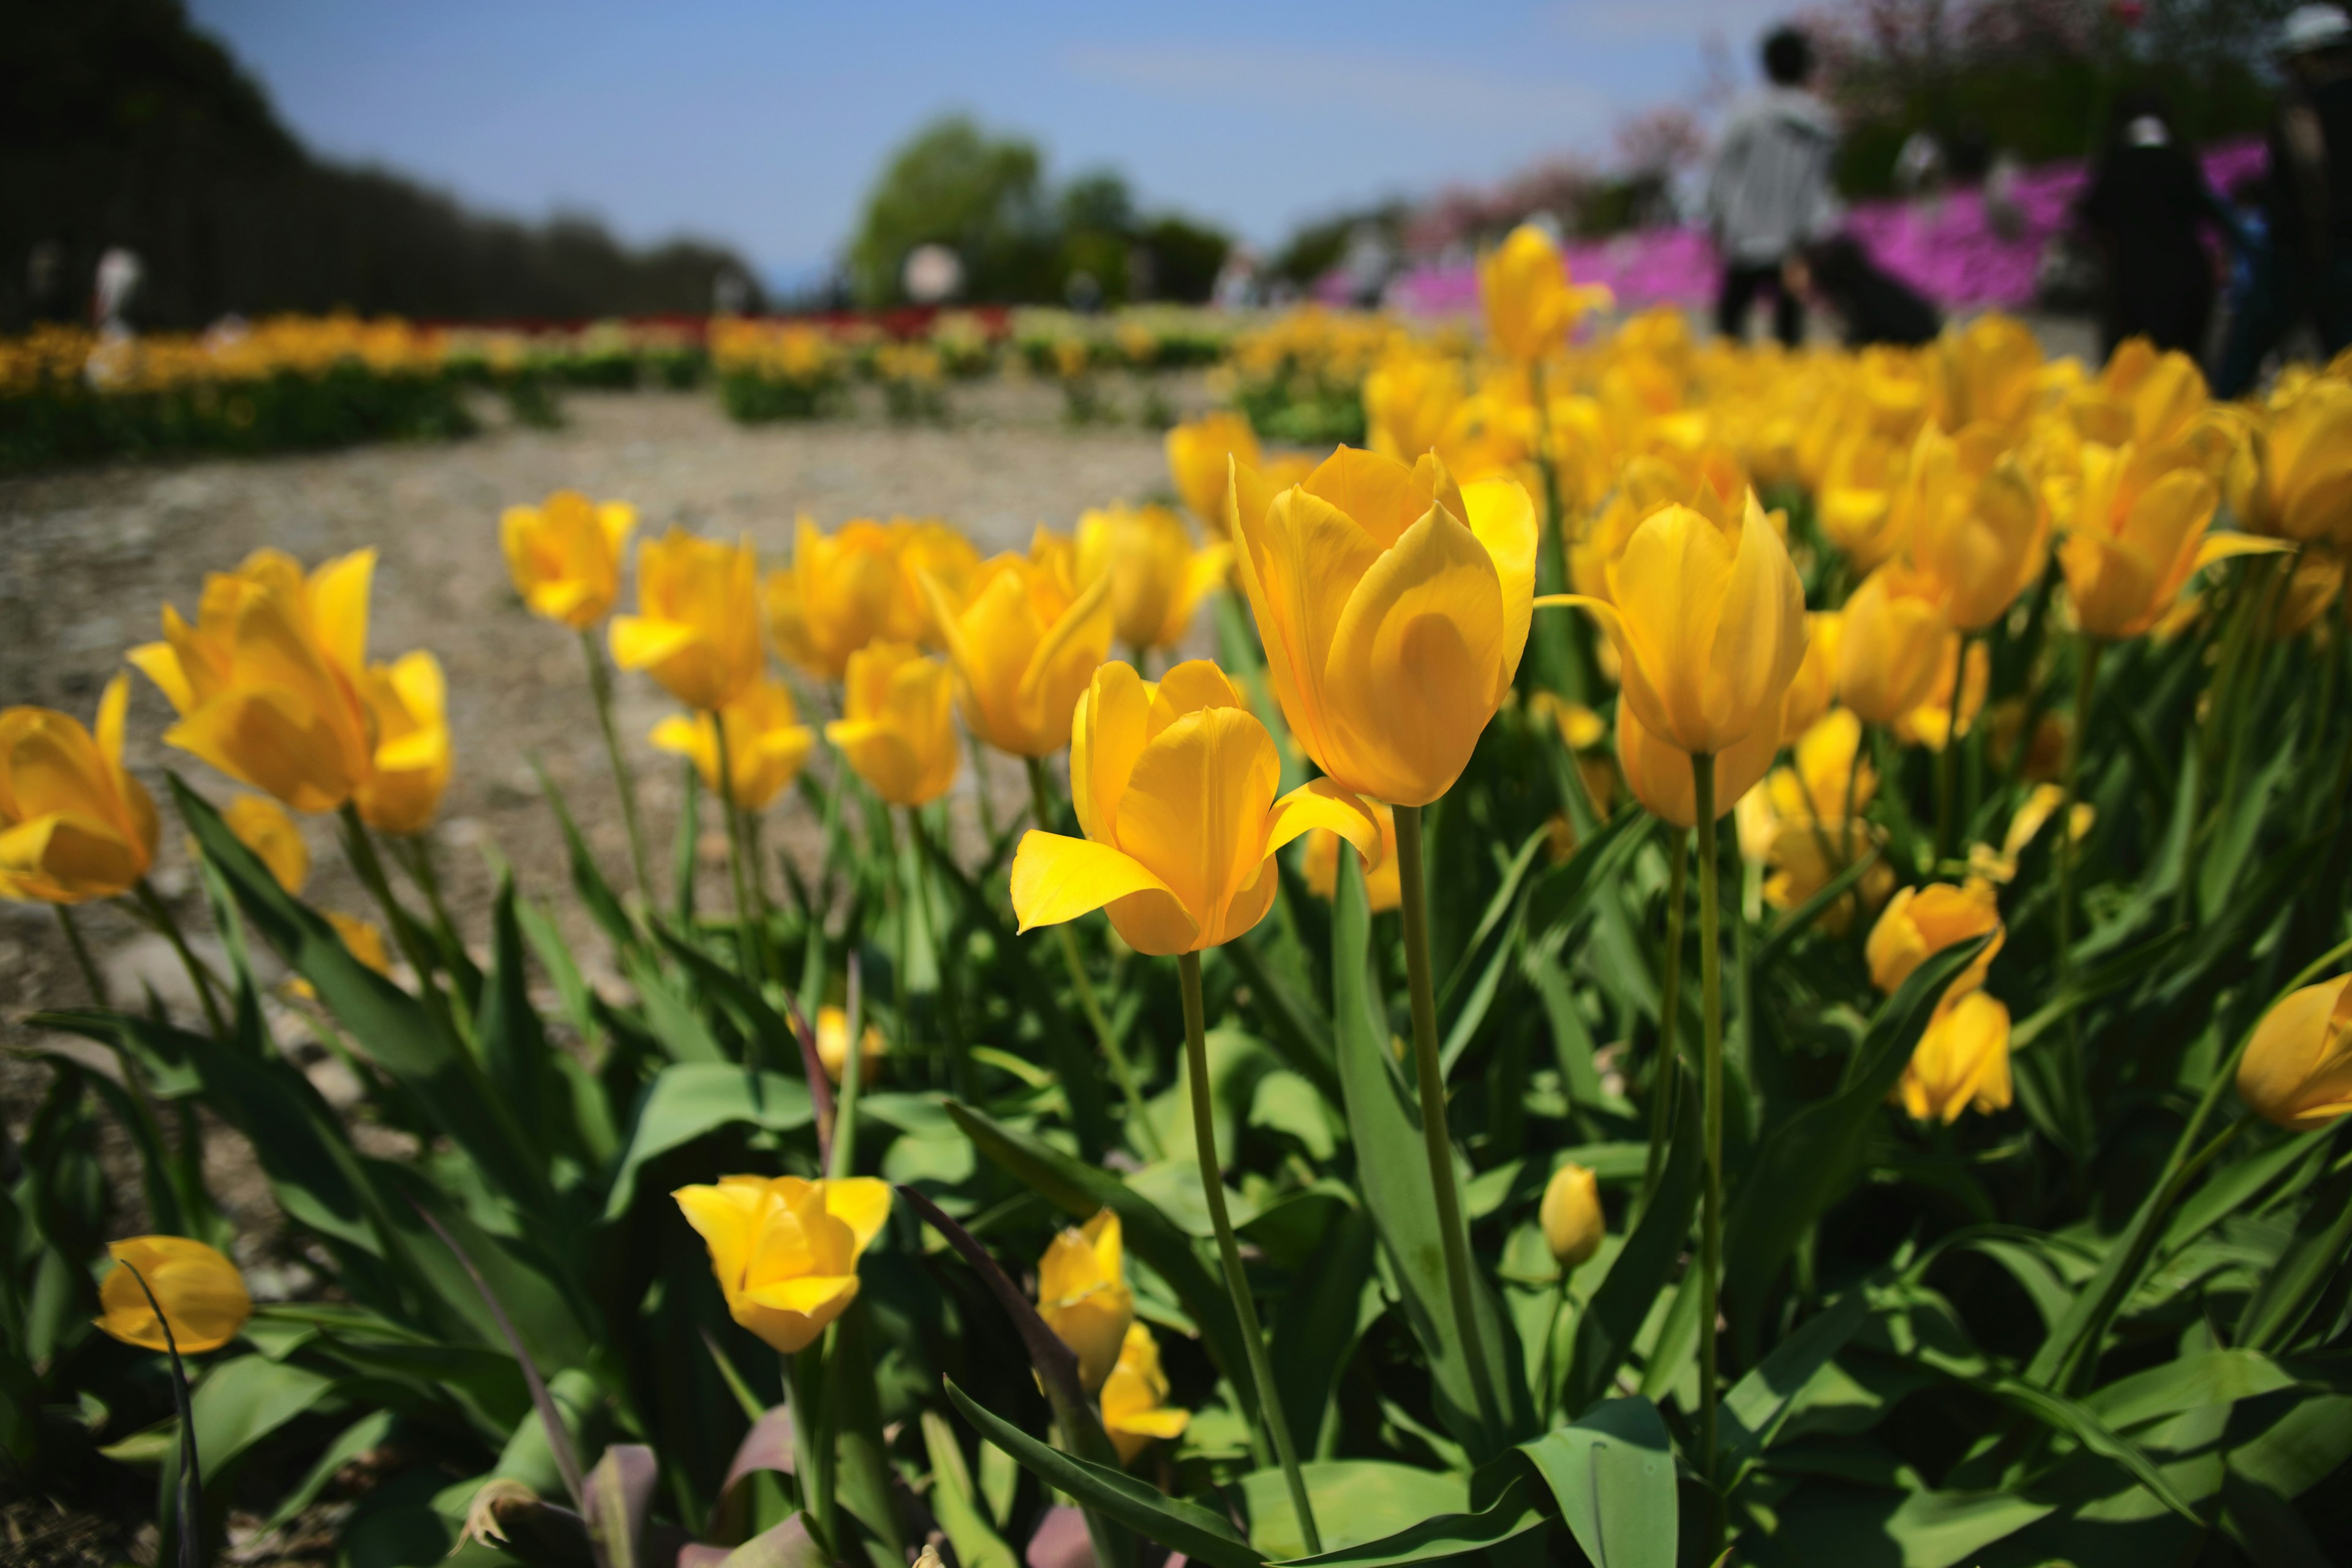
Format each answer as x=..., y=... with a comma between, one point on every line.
x=1264, y=1394
x=1711, y=981
x=369, y=865
x=958, y=1051
x=160, y=912
x=746, y=928
x=600, y=687
x=89, y=975
x=1412, y=885
x=192, y=1480
x=1670, y=1005
x=1138, y=1119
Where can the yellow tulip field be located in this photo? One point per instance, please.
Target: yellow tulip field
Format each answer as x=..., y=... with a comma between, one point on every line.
x=1738, y=955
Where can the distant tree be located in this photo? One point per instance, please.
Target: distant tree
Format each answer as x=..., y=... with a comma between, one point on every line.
x=1185, y=257
x=954, y=185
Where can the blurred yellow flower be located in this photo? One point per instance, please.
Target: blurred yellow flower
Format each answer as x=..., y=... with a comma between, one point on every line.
x=833, y=1047
x=1814, y=686
x=1985, y=373
x=1156, y=576
x=1200, y=454
x=785, y=1251
x=2297, y=1069
x=1960, y=1062
x=407, y=704
x=840, y=593
x=74, y=824
x=262, y=825
x=1135, y=1409
x=564, y=554
x=697, y=629
x=203, y=1296
x=1929, y=724
x=766, y=743
x=2293, y=478
x=1977, y=526
x=898, y=723
x=365, y=942
x=1662, y=776
x=1890, y=636
x=1024, y=645
x=1570, y=1216
x=2135, y=533
x=1174, y=785
x=1530, y=305
x=1082, y=1294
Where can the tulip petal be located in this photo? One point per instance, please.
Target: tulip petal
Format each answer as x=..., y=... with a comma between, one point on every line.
x=1065, y=660
x=339, y=607
x=861, y=1203
x=1377, y=492
x=1057, y=877
x=807, y=1294
x=1195, y=809
x=723, y=1216
x=1299, y=563
x=270, y=738
x=1759, y=636
x=1504, y=519
x=1322, y=803
x=1195, y=685
x=1106, y=736
x=640, y=642
x=160, y=663
x=2223, y=546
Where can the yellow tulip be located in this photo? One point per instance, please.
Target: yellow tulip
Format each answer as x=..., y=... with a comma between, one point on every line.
x=2297, y=1069
x=1135, y=1409
x=267, y=682
x=1174, y=785
x=74, y=824
x=1708, y=623
x=262, y=825
x=697, y=628
x=2135, y=533
x=839, y=594
x=1530, y=305
x=1708, y=479
x=784, y=1251
x=1157, y=578
x=564, y=555
x=362, y=939
x=898, y=723
x=407, y=702
x=1961, y=1061
x=833, y=1047
x=1815, y=686
x=1976, y=525
x=1393, y=606
x=1201, y=454
x=1662, y=777
x=1929, y=724
x=1573, y=1225
x=1923, y=921
x=927, y=547
x=203, y=1295
x=2142, y=396
x=1383, y=876
x=1025, y=646
x=1803, y=856
x=1985, y=373
x=1082, y=1294
x=1410, y=402
x=1890, y=638
x=1856, y=499
x=2294, y=479
x=766, y=743
x=1831, y=779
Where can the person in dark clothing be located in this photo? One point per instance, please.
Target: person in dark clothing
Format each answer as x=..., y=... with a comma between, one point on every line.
x=1875, y=306
x=1769, y=193
x=2305, y=269
x=2147, y=203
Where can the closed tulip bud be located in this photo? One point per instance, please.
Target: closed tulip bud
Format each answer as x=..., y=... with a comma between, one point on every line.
x=2135, y=533
x=74, y=824
x=785, y=1251
x=1572, y=1222
x=2297, y=1069
x=898, y=723
x=1985, y=373
x=2293, y=478
x=833, y=1047
x=1961, y=1061
x=839, y=594
x=262, y=825
x=266, y=681
x=1156, y=576
x=564, y=555
x=766, y=745
x=697, y=629
x=407, y=704
x=1930, y=723
x=1393, y=606
x=1174, y=785
x=1659, y=774
x=1201, y=454
x=1815, y=686
x=1082, y=1294
x=203, y=1295
x=1383, y=875
x=1024, y=644
x=1977, y=526
x=1889, y=640
x=1135, y=1408
x=1530, y=305
x=1709, y=628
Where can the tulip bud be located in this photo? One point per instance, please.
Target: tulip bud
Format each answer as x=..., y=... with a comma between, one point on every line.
x=2136, y=532
x=898, y=723
x=1961, y=1061
x=833, y=1047
x=785, y=1251
x=262, y=825
x=1572, y=1222
x=564, y=555
x=1083, y=1296
x=1978, y=527
x=1530, y=305
x=203, y=1295
x=2297, y=1069
x=1985, y=373
x=1889, y=640
x=74, y=824
x=1024, y=645
x=1922, y=922
x=1135, y=1409
x=2294, y=479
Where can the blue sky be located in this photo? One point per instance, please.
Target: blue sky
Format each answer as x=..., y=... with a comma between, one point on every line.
x=760, y=125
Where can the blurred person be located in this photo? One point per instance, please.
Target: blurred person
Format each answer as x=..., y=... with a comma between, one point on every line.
x=1875, y=306
x=119, y=272
x=1768, y=194
x=2303, y=268
x=2147, y=207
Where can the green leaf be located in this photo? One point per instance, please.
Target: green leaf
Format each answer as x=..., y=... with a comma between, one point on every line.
x=688, y=1099
x=1752, y=1412
x=2189, y=1383
x=1825, y=1525
x=1172, y=1523
x=513, y=1045
x=1355, y=1502
x=1514, y=1513
x=1293, y=1025
x=595, y=893
x=240, y=1402
x=2317, y=1250
x=1392, y=1172
x=1605, y=1329
x=1612, y=1473
x=2080, y=1422
x=1318, y=1323
x=357, y=1438
x=956, y=1501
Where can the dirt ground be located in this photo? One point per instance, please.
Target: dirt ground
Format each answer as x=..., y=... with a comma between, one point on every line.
x=88, y=557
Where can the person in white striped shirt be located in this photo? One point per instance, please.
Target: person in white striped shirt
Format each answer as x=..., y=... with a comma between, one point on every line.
x=1769, y=195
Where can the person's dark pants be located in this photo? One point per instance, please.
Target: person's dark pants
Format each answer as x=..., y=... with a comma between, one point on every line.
x=2278, y=294
x=1740, y=285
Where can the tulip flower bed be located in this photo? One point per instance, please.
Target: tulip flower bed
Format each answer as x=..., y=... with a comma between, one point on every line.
x=1737, y=955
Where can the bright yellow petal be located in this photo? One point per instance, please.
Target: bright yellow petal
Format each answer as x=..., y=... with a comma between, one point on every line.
x=1504, y=519
x=1058, y=878
x=1320, y=803
x=862, y=1204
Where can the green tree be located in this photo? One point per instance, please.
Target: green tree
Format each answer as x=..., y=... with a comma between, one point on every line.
x=954, y=185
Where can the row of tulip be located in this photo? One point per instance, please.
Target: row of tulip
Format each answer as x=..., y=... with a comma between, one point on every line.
x=1960, y=1174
